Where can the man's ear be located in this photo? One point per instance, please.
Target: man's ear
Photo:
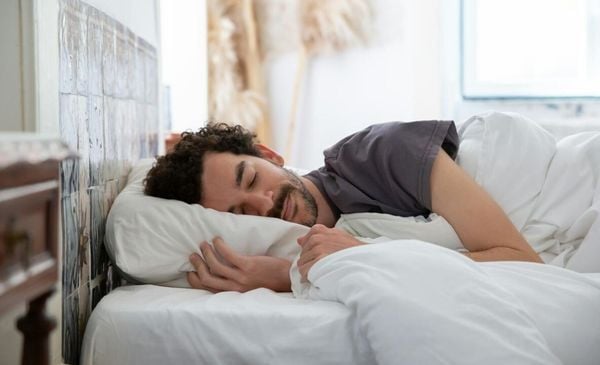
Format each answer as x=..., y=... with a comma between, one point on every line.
x=269, y=154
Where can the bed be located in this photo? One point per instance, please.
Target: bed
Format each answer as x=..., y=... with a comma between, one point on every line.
x=409, y=297
x=149, y=324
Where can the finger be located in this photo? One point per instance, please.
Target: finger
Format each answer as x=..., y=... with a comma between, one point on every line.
x=195, y=282
x=227, y=253
x=306, y=256
x=317, y=228
x=197, y=261
x=215, y=265
x=207, y=279
x=300, y=240
x=315, y=240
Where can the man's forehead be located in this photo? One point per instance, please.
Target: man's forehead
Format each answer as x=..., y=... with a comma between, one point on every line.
x=221, y=165
x=218, y=182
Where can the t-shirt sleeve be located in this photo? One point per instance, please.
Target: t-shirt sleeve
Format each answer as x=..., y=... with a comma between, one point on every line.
x=391, y=163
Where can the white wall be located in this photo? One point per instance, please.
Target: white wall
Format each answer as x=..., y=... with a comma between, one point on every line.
x=184, y=63
x=13, y=90
x=396, y=78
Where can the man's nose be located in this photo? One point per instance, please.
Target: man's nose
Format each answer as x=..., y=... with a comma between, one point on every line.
x=259, y=203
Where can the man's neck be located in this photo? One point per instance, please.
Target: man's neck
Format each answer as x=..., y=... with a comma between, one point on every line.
x=325, y=215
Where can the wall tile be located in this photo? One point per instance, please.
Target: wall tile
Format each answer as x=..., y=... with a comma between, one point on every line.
x=96, y=139
x=108, y=113
x=81, y=119
x=81, y=52
x=71, y=344
x=68, y=67
x=151, y=75
x=109, y=56
x=131, y=74
x=95, y=39
x=69, y=176
x=143, y=126
x=139, y=71
x=67, y=122
x=83, y=231
x=70, y=244
x=98, y=213
x=122, y=58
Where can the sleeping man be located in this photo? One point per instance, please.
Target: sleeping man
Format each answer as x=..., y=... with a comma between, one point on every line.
x=403, y=169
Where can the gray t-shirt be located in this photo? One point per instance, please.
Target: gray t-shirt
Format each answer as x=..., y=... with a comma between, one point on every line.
x=385, y=168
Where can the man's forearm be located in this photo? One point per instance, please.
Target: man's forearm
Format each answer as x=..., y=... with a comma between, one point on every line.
x=503, y=254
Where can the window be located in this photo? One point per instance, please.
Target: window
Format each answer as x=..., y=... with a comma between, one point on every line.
x=530, y=48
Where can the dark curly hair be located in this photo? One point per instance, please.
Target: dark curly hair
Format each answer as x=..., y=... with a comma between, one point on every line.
x=178, y=174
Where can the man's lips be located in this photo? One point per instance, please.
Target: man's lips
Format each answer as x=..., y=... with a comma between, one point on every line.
x=286, y=214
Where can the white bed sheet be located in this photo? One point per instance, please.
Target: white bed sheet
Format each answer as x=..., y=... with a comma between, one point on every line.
x=147, y=324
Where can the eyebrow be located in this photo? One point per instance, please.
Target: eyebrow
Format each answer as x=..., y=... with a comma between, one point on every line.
x=239, y=173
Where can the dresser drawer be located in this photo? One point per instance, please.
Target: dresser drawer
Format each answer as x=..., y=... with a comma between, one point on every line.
x=28, y=239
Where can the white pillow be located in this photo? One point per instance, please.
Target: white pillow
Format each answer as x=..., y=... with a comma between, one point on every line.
x=508, y=154
x=150, y=239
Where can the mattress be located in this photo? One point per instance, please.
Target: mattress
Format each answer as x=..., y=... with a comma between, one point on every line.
x=148, y=324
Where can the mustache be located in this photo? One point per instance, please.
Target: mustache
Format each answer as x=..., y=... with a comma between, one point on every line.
x=277, y=209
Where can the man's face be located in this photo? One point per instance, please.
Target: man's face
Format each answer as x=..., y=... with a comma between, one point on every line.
x=244, y=184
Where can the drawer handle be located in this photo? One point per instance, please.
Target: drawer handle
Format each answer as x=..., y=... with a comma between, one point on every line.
x=15, y=240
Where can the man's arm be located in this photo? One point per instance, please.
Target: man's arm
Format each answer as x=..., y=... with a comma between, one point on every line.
x=483, y=227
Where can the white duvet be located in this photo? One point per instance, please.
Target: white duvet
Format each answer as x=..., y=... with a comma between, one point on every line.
x=420, y=303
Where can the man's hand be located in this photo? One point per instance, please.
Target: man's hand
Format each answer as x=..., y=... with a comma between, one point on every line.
x=319, y=242
x=222, y=269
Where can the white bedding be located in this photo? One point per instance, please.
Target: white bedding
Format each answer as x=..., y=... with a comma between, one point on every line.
x=550, y=190
x=148, y=324
x=400, y=302
x=419, y=303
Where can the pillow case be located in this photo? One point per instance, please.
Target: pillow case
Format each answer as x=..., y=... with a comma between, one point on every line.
x=501, y=150
x=150, y=239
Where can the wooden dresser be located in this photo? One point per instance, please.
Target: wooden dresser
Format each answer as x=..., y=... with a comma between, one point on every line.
x=29, y=208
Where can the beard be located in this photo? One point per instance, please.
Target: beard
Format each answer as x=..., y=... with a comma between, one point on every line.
x=294, y=185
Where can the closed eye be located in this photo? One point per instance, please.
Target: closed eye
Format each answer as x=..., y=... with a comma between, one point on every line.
x=253, y=181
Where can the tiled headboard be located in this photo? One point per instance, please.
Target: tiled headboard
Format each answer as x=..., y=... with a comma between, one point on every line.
x=109, y=115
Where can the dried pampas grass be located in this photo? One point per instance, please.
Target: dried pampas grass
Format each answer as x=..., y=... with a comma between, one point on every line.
x=326, y=26
x=316, y=25
x=278, y=26
x=242, y=33
x=334, y=25
x=230, y=97
x=246, y=106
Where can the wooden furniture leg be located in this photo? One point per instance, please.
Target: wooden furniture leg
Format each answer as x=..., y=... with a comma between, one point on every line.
x=36, y=326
